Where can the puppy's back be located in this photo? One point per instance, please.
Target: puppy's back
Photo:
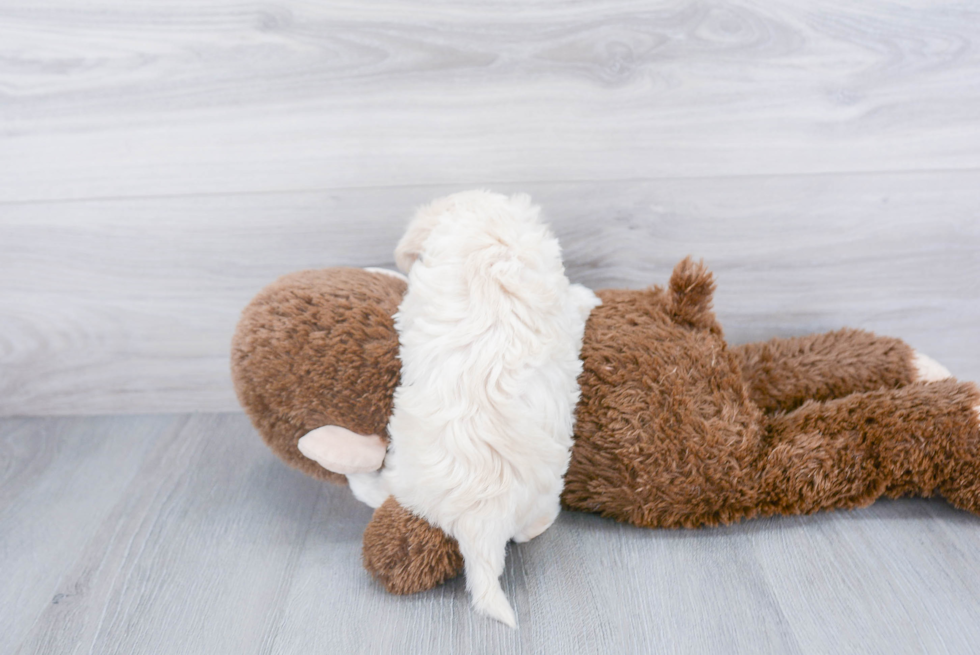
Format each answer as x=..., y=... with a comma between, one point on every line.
x=490, y=331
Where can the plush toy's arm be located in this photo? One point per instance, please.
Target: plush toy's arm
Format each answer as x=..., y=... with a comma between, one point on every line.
x=782, y=374
x=406, y=553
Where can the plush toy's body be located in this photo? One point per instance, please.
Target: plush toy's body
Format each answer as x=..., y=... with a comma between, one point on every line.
x=674, y=427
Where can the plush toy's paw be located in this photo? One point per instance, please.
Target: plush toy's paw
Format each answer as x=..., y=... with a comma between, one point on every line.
x=342, y=451
x=927, y=369
x=960, y=452
x=406, y=553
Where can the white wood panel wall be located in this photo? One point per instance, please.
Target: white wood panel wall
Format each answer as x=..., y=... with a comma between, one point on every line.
x=162, y=161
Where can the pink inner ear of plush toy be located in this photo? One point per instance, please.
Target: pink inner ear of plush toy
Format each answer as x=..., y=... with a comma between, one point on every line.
x=342, y=451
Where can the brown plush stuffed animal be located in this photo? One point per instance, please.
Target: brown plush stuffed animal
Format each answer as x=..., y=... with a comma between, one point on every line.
x=674, y=428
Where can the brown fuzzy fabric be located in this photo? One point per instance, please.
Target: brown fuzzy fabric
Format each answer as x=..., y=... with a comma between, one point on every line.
x=406, y=553
x=688, y=301
x=665, y=433
x=920, y=440
x=674, y=428
x=318, y=348
x=784, y=373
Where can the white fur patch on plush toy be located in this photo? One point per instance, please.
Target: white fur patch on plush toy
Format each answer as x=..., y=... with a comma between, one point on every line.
x=490, y=332
x=929, y=370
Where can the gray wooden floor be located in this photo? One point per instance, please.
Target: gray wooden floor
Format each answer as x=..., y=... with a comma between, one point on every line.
x=182, y=534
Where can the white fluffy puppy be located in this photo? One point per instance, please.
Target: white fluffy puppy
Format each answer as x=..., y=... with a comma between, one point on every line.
x=490, y=332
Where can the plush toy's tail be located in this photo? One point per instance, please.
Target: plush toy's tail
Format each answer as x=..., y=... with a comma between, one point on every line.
x=483, y=561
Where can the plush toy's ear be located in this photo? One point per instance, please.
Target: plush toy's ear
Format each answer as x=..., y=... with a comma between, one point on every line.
x=691, y=288
x=342, y=451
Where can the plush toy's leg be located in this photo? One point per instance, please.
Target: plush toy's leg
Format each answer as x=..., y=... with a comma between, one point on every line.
x=406, y=553
x=782, y=374
x=922, y=439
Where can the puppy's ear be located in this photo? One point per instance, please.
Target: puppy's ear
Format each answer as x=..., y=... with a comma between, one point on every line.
x=410, y=247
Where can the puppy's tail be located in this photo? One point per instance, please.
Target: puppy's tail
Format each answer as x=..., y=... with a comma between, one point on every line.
x=483, y=560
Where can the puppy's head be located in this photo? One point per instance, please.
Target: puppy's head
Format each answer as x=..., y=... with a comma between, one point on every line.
x=483, y=203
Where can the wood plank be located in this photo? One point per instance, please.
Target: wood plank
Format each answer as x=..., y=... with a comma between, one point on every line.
x=176, y=566
x=60, y=482
x=124, y=99
x=178, y=534
x=128, y=306
x=881, y=555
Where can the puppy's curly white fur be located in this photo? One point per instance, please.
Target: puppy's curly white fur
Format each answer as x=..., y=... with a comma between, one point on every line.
x=490, y=332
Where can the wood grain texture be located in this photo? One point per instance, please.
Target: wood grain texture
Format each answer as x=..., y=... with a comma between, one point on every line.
x=60, y=485
x=183, y=534
x=129, y=305
x=121, y=98
x=161, y=162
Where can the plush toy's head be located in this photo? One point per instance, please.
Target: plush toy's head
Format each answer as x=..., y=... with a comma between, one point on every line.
x=318, y=350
